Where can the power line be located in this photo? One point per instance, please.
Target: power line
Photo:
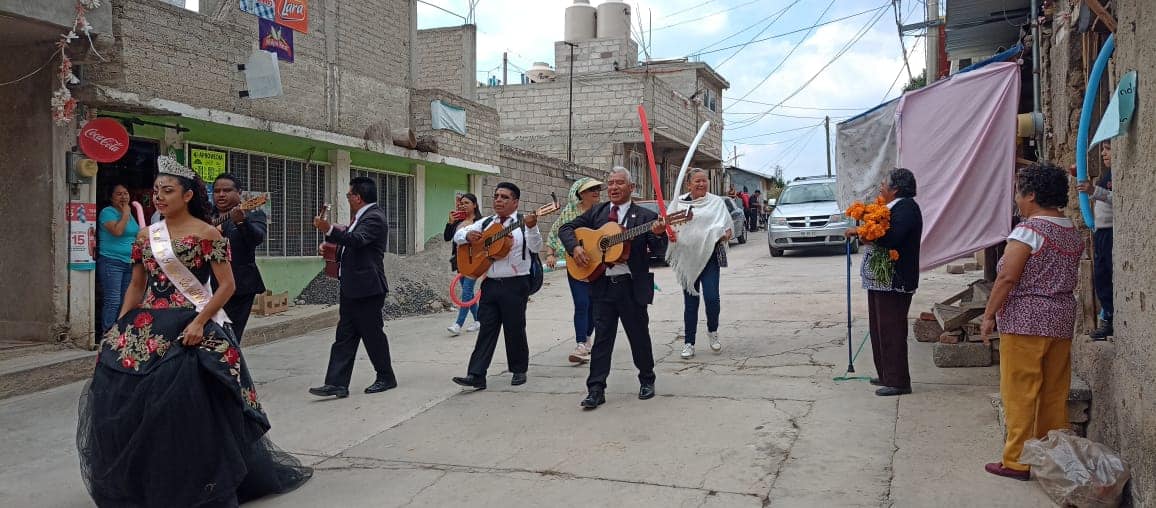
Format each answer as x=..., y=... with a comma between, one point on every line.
x=788, y=55
x=896, y=80
x=691, y=8
x=902, y=46
x=735, y=34
x=784, y=106
x=700, y=18
x=777, y=132
x=761, y=32
x=784, y=34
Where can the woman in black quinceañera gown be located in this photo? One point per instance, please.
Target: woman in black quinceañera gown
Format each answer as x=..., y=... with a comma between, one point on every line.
x=162, y=424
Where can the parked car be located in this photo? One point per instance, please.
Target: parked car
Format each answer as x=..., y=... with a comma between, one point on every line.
x=807, y=215
x=738, y=219
x=658, y=256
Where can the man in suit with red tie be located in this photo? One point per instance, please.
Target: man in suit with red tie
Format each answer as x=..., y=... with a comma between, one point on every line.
x=361, y=252
x=623, y=292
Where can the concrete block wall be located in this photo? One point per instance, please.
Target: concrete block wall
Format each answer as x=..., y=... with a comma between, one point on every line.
x=596, y=55
x=536, y=175
x=479, y=144
x=447, y=60
x=351, y=70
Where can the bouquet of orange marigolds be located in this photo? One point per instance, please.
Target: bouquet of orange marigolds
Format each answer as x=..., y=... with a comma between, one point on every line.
x=874, y=221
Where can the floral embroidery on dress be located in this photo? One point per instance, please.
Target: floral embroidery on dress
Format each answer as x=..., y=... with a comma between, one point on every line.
x=137, y=344
x=231, y=357
x=196, y=253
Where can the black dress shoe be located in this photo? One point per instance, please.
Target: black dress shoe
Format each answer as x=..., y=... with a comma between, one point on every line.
x=381, y=386
x=593, y=400
x=888, y=391
x=875, y=382
x=472, y=381
x=519, y=378
x=340, y=392
x=646, y=392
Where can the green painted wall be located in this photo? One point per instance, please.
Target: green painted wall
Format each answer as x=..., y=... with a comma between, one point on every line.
x=289, y=274
x=440, y=186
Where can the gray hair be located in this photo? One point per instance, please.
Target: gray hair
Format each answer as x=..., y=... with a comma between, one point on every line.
x=619, y=169
x=694, y=171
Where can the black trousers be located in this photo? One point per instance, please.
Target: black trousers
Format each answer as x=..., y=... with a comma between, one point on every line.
x=359, y=320
x=1102, y=270
x=238, y=309
x=614, y=302
x=887, y=313
x=502, y=309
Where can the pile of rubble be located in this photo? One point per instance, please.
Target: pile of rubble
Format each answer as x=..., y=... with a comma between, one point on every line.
x=953, y=325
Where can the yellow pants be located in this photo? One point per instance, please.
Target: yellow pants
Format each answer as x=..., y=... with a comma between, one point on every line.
x=1035, y=374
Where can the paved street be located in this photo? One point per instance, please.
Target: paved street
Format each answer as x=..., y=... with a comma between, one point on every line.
x=762, y=423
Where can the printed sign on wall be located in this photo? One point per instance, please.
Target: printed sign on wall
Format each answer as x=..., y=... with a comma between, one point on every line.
x=264, y=9
x=81, y=235
x=293, y=14
x=277, y=39
x=207, y=163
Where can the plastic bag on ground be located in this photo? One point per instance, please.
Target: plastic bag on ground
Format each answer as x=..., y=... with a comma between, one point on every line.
x=1076, y=471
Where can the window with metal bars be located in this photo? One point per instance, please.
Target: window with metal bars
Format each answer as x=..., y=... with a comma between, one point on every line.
x=395, y=196
x=296, y=192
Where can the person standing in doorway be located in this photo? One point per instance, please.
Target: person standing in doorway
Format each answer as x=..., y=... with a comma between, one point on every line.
x=1102, y=214
x=623, y=291
x=505, y=292
x=245, y=231
x=465, y=214
x=361, y=254
x=584, y=194
x=118, y=230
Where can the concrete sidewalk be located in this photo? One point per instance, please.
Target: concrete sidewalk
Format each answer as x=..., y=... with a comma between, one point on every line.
x=762, y=423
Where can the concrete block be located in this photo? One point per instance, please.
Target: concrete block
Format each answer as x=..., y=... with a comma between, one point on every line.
x=927, y=331
x=971, y=267
x=955, y=269
x=926, y=316
x=966, y=354
x=952, y=337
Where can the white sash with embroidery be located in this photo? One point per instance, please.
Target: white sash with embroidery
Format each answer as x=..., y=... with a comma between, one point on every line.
x=194, y=290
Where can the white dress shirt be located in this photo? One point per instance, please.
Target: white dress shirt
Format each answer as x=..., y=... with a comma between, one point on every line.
x=623, y=211
x=512, y=265
x=357, y=217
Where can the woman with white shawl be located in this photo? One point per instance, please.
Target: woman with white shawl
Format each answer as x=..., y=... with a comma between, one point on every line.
x=696, y=253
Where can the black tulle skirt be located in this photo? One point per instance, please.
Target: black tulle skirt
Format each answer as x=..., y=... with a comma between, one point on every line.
x=164, y=425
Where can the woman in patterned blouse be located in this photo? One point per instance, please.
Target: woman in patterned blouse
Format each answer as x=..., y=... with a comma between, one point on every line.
x=1033, y=303
x=171, y=416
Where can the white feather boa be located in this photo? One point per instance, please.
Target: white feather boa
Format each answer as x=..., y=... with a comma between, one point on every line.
x=697, y=238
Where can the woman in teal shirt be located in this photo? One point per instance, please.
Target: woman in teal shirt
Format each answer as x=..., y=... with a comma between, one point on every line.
x=114, y=266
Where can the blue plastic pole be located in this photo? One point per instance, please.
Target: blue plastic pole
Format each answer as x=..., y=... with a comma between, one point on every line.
x=1086, y=124
x=850, y=356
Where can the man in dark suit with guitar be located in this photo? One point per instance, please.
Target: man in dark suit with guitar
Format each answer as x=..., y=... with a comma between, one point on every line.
x=361, y=254
x=245, y=230
x=505, y=291
x=624, y=291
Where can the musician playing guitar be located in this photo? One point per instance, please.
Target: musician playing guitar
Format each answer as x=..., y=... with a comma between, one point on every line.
x=623, y=291
x=505, y=291
x=245, y=231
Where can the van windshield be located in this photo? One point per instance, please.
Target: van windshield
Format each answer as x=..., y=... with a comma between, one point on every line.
x=807, y=193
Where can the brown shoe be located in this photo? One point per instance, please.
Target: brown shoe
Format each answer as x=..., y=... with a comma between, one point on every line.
x=997, y=469
x=581, y=354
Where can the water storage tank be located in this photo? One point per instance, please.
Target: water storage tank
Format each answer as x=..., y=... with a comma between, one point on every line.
x=540, y=72
x=613, y=20
x=580, y=23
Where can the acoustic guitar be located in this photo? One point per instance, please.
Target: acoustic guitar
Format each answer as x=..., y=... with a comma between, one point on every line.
x=328, y=250
x=247, y=205
x=475, y=258
x=611, y=244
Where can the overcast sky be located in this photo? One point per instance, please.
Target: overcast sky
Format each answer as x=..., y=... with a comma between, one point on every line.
x=857, y=80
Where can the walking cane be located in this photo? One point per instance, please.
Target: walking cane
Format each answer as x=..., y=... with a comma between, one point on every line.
x=850, y=356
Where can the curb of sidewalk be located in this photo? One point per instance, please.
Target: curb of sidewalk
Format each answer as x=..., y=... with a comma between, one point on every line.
x=41, y=371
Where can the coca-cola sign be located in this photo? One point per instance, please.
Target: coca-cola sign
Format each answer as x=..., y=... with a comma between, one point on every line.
x=103, y=140
x=293, y=14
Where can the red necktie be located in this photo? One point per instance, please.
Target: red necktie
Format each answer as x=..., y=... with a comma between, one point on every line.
x=614, y=213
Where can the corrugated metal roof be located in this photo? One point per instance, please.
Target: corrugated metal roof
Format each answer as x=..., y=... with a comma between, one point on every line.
x=979, y=28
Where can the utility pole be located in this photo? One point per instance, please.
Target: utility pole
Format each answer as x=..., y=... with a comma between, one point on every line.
x=931, y=51
x=736, y=152
x=570, y=117
x=827, y=129
x=505, y=61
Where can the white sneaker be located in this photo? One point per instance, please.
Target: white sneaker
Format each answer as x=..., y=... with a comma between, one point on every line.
x=473, y=327
x=581, y=353
x=687, y=351
x=454, y=329
x=715, y=345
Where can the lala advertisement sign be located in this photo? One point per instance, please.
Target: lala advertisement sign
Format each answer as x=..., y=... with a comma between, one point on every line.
x=292, y=14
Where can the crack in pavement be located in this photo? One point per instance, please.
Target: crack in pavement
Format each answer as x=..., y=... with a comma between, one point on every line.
x=794, y=421
x=886, y=501
x=423, y=489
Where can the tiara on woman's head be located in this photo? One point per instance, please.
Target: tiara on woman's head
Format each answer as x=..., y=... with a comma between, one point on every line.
x=170, y=166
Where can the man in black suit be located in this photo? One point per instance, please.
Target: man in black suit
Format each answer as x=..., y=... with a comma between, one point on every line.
x=623, y=291
x=245, y=231
x=361, y=254
x=888, y=305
